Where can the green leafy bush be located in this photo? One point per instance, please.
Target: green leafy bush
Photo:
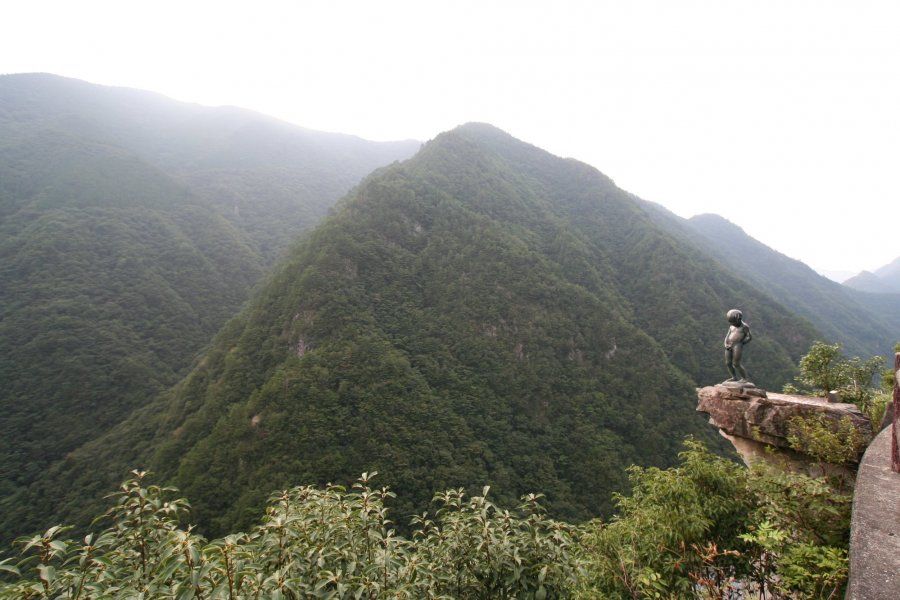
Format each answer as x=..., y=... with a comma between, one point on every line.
x=709, y=528
x=825, y=369
x=311, y=543
x=829, y=441
x=659, y=545
x=797, y=518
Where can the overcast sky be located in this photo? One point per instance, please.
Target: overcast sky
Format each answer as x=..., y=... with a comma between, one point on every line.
x=783, y=116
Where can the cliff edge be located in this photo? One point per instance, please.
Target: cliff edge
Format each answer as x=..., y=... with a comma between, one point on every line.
x=754, y=419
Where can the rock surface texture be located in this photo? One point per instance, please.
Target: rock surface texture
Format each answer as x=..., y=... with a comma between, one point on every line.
x=756, y=421
x=744, y=411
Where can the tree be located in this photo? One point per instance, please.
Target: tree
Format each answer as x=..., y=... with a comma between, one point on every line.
x=825, y=369
x=822, y=369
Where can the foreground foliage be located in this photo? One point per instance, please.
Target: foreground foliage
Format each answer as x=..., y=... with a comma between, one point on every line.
x=707, y=528
x=312, y=543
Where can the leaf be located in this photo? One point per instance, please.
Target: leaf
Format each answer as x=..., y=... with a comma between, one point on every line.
x=7, y=568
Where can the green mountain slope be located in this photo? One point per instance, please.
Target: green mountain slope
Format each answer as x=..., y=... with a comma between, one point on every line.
x=122, y=254
x=111, y=278
x=886, y=306
x=484, y=313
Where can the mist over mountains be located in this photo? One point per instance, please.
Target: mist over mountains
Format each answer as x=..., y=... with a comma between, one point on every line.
x=481, y=313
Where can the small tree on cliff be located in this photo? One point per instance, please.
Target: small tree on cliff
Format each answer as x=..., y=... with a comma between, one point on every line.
x=825, y=369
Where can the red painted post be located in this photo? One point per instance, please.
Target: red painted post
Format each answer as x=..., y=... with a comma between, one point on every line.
x=895, y=439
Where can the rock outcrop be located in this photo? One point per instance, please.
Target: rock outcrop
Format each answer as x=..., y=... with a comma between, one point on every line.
x=753, y=418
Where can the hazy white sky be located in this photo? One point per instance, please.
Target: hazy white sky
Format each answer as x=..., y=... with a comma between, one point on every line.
x=782, y=116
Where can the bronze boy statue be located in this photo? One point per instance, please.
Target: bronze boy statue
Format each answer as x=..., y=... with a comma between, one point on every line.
x=738, y=335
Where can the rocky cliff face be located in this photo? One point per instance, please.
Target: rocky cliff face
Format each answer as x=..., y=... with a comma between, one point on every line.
x=753, y=419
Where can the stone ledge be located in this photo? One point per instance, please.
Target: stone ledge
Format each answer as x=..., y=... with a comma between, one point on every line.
x=763, y=417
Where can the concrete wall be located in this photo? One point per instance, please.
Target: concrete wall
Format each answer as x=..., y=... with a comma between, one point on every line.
x=875, y=525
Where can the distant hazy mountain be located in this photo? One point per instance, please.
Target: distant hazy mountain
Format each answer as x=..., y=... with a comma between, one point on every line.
x=131, y=228
x=879, y=291
x=866, y=281
x=885, y=280
x=483, y=313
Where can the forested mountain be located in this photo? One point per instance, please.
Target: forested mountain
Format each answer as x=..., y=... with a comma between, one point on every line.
x=862, y=324
x=484, y=313
x=887, y=307
x=131, y=228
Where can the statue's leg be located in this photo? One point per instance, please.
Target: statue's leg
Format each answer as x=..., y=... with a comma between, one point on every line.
x=729, y=363
x=738, y=349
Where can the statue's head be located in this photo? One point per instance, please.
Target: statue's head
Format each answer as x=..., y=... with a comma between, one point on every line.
x=734, y=317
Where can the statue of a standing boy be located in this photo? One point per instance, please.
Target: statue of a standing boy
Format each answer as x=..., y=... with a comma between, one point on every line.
x=738, y=335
